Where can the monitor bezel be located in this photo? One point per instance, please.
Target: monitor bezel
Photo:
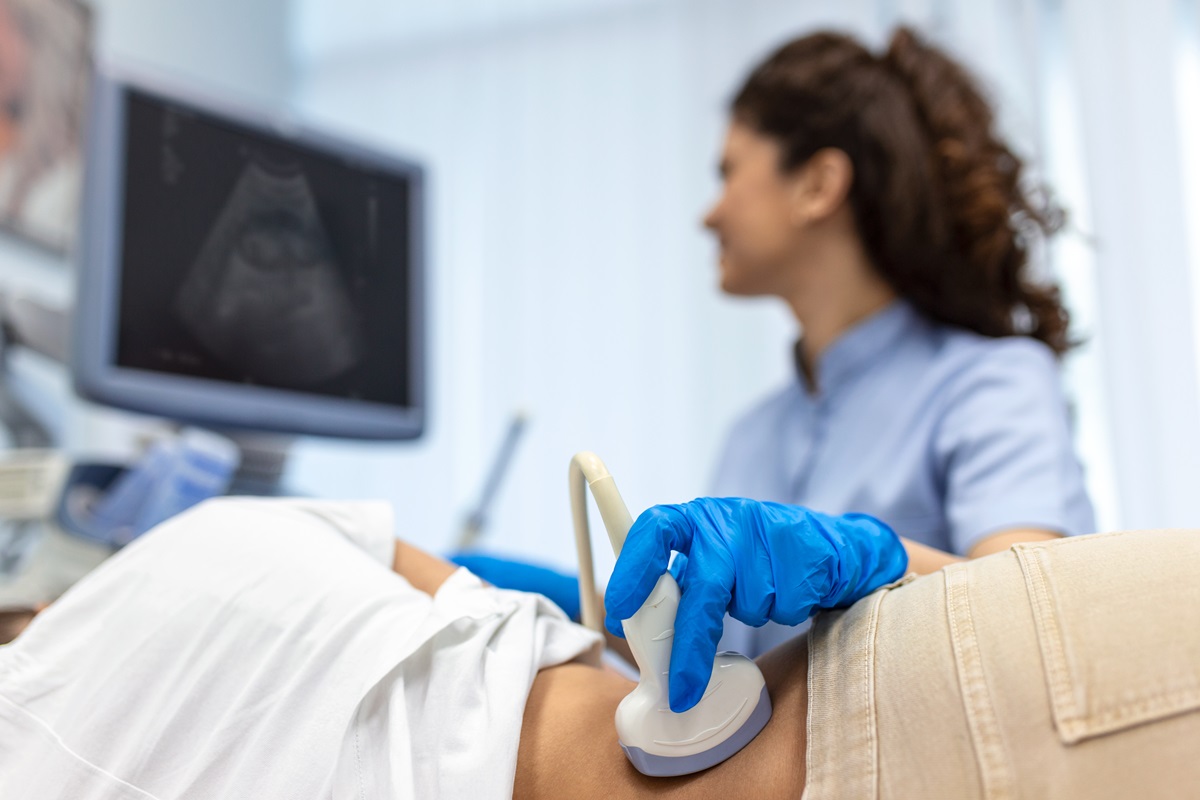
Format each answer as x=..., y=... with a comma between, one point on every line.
x=96, y=374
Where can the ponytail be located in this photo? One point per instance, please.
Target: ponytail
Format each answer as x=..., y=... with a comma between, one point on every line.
x=937, y=195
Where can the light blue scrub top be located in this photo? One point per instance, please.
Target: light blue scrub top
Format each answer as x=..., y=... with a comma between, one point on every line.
x=944, y=434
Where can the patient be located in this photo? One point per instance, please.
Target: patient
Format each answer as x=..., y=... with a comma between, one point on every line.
x=260, y=648
x=269, y=649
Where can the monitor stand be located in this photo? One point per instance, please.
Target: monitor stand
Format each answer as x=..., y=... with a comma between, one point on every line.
x=264, y=461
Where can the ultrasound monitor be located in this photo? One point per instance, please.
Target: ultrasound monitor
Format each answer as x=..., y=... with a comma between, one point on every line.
x=236, y=272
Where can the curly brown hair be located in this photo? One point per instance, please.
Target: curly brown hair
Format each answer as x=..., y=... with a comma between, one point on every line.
x=937, y=196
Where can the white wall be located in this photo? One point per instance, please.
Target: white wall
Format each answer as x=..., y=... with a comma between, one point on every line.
x=241, y=47
x=1123, y=63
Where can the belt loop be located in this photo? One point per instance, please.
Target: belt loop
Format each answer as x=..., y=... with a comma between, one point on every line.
x=995, y=771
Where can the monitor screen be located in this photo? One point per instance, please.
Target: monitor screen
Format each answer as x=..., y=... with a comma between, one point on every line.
x=241, y=273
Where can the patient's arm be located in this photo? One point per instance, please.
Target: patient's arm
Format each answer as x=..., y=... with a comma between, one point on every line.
x=425, y=572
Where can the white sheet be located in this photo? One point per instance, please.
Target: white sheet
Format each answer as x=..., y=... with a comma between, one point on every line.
x=247, y=649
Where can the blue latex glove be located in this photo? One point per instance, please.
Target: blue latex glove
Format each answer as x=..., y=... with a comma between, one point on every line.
x=507, y=573
x=756, y=561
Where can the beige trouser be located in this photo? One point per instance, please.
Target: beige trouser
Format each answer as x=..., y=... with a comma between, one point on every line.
x=1067, y=669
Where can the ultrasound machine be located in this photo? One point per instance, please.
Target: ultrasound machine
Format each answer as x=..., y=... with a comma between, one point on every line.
x=238, y=274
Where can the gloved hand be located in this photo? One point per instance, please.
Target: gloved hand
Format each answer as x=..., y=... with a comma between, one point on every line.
x=507, y=573
x=758, y=561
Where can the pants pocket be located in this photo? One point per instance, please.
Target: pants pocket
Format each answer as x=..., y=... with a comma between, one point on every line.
x=1118, y=624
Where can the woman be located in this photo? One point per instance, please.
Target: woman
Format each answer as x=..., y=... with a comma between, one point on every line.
x=871, y=194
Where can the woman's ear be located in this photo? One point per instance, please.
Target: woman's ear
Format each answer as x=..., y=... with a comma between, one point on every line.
x=821, y=185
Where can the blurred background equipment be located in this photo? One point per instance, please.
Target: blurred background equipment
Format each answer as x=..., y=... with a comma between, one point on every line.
x=44, y=69
x=474, y=524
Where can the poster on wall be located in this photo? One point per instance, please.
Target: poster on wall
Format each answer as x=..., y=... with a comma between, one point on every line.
x=45, y=63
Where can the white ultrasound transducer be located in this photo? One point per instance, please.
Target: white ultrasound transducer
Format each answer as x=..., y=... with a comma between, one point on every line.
x=659, y=742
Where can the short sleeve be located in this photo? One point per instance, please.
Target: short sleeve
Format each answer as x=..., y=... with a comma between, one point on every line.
x=1005, y=449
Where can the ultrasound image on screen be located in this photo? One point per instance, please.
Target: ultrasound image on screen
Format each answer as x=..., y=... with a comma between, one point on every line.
x=265, y=294
x=252, y=260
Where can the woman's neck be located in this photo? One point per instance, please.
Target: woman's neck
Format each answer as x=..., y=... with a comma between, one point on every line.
x=834, y=296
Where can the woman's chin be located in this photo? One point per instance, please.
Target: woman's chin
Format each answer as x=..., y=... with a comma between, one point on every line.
x=727, y=281
x=744, y=280
x=737, y=287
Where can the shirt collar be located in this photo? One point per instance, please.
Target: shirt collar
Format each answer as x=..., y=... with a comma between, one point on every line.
x=858, y=346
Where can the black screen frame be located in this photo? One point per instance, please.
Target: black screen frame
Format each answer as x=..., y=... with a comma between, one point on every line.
x=99, y=377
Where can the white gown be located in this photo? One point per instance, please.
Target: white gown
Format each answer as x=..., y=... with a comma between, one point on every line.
x=264, y=649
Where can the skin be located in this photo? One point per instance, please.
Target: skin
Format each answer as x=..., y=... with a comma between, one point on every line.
x=791, y=234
